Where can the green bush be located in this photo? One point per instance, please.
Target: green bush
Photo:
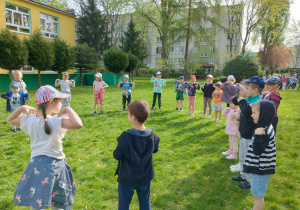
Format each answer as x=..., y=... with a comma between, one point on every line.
x=241, y=68
x=223, y=78
x=115, y=60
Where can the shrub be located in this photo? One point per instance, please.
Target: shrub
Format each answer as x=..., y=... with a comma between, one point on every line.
x=115, y=60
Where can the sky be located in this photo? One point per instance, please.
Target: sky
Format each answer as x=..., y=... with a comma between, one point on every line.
x=295, y=8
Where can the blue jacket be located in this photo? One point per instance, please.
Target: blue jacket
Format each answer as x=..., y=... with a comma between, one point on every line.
x=8, y=95
x=176, y=86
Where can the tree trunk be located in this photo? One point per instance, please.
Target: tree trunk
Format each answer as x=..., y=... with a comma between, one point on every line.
x=187, y=41
x=10, y=75
x=58, y=73
x=80, y=76
x=132, y=75
x=39, y=76
x=164, y=38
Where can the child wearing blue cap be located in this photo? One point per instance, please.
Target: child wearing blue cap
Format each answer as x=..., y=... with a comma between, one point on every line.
x=15, y=99
x=126, y=94
x=158, y=83
x=179, y=90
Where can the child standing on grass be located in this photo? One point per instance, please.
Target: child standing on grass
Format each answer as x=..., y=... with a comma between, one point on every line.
x=218, y=106
x=192, y=87
x=254, y=87
x=232, y=129
x=65, y=87
x=261, y=155
x=158, y=83
x=134, y=153
x=208, y=90
x=98, y=90
x=15, y=99
x=47, y=180
x=126, y=94
x=229, y=89
x=18, y=76
x=179, y=90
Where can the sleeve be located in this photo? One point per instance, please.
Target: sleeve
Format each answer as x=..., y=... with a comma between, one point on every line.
x=224, y=86
x=226, y=111
x=26, y=96
x=203, y=89
x=121, y=85
x=152, y=80
x=93, y=83
x=130, y=84
x=175, y=82
x=198, y=86
x=58, y=127
x=246, y=109
x=118, y=153
x=24, y=123
x=5, y=96
x=260, y=143
x=164, y=83
x=234, y=100
x=156, y=144
x=213, y=94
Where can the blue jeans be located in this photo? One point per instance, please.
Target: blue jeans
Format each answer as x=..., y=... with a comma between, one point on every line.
x=126, y=193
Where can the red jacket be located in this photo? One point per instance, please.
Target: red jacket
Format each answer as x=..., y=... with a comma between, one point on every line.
x=275, y=97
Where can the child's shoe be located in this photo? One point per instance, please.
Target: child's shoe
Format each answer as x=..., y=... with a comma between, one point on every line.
x=95, y=113
x=209, y=116
x=102, y=112
x=13, y=130
x=18, y=129
x=123, y=110
x=159, y=107
x=237, y=179
x=203, y=116
x=193, y=114
x=232, y=156
x=235, y=168
x=176, y=108
x=214, y=120
x=181, y=109
x=188, y=114
x=152, y=107
x=227, y=153
x=244, y=186
x=218, y=121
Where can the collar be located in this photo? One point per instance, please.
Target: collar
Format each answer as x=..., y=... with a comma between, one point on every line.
x=253, y=99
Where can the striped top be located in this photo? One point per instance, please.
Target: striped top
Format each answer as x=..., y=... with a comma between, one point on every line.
x=261, y=155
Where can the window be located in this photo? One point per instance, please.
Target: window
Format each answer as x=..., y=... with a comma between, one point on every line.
x=203, y=55
x=234, y=48
x=158, y=50
x=211, y=49
x=236, y=36
x=159, y=39
x=49, y=26
x=175, y=60
x=176, y=49
x=204, y=43
x=195, y=49
x=211, y=61
x=17, y=19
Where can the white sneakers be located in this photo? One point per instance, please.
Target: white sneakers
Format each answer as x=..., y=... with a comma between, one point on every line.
x=235, y=168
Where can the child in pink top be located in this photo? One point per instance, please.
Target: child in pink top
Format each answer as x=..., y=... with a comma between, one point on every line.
x=232, y=129
x=98, y=90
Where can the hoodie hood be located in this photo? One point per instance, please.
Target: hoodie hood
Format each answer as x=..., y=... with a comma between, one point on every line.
x=266, y=113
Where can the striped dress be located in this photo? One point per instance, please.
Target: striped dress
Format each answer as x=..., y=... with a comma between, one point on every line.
x=261, y=155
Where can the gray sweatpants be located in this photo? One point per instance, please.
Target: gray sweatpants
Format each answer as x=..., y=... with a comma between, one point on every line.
x=244, y=144
x=66, y=101
x=13, y=108
x=207, y=100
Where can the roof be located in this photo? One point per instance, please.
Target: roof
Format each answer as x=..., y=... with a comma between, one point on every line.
x=68, y=12
x=207, y=65
x=250, y=54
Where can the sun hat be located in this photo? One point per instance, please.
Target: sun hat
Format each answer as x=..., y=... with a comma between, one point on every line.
x=230, y=78
x=98, y=75
x=15, y=85
x=273, y=81
x=192, y=77
x=158, y=73
x=257, y=80
x=47, y=93
x=210, y=76
x=126, y=76
x=181, y=77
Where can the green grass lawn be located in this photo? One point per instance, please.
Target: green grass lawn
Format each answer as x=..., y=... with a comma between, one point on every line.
x=190, y=171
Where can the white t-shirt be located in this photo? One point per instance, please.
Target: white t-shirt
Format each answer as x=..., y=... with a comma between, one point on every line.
x=98, y=84
x=65, y=85
x=41, y=143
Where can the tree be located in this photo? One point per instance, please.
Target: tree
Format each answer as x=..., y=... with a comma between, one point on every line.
x=115, y=60
x=274, y=57
x=292, y=41
x=59, y=4
x=64, y=57
x=13, y=52
x=87, y=59
x=132, y=63
x=91, y=26
x=41, y=53
x=241, y=67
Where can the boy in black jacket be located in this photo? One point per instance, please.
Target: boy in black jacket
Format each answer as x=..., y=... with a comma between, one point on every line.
x=261, y=156
x=134, y=153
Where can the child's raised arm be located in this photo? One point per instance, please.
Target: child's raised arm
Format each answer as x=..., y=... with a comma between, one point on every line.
x=133, y=85
x=15, y=117
x=152, y=79
x=119, y=84
x=72, y=83
x=73, y=122
x=57, y=82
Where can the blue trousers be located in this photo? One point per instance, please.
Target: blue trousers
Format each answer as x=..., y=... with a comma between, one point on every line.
x=126, y=193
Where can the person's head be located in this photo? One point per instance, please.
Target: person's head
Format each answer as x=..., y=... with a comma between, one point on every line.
x=254, y=86
x=209, y=78
x=181, y=79
x=232, y=105
x=98, y=77
x=231, y=79
x=243, y=90
x=15, y=88
x=138, y=112
x=158, y=75
x=126, y=78
x=218, y=85
x=193, y=78
x=269, y=76
x=272, y=84
x=65, y=76
x=263, y=112
x=48, y=100
x=18, y=75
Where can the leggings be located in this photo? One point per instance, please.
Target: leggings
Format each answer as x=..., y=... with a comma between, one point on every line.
x=99, y=95
x=128, y=99
x=192, y=103
x=293, y=85
x=66, y=102
x=207, y=100
x=233, y=144
x=158, y=95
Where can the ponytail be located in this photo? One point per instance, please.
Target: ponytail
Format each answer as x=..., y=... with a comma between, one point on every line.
x=47, y=129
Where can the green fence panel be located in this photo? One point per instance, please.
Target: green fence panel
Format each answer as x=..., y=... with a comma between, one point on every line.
x=4, y=82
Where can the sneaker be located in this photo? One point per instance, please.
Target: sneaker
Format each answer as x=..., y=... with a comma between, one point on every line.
x=187, y=114
x=236, y=165
x=152, y=107
x=244, y=186
x=193, y=114
x=102, y=112
x=13, y=130
x=176, y=108
x=235, y=168
x=18, y=129
x=159, y=107
x=218, y=121
x=95, y=113
x=203, y=116
x=123, y=110
x=181, y=109
x=237, y=179
x=209, y=116
x=214, y=120
x=232, y=157
x=227, y=153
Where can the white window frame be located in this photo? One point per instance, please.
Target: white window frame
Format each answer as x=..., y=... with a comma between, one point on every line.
x=234, y=48
x=195, y=49
x=203, y=55
x=204, y=43
x=211, y=49
x=49, y=20
x=236, y=36
x=158, y=39
x=18, y=26
x=211, y=61
x=158, y=50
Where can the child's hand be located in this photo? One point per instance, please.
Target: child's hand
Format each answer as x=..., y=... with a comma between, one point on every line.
x=260, y=131
x=29, y=109
x=153, y=77
x=57, y=79
x=64, y=111
x=239, y=99
x=26, y=101
x=11, y=100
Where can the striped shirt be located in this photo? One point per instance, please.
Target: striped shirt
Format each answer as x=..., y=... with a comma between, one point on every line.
x=261, y=155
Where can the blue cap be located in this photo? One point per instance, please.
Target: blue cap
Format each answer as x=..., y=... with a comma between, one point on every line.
x=15, y=85
x=257, y=80
x=181, y=77
x=126, y=76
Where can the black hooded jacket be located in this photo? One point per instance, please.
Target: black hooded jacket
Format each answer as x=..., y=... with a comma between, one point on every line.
x=134, y=153
x=261, y=155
